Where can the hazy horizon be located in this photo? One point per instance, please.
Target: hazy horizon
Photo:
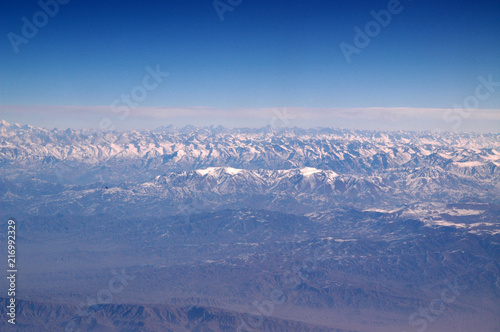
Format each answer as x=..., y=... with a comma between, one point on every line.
x=332, y=63
x=388, y=119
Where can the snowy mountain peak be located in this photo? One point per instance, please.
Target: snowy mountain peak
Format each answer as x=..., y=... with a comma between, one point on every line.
x=308, y=171
x=215, y=170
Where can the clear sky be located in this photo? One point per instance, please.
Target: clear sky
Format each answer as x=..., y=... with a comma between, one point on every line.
x=262, y=57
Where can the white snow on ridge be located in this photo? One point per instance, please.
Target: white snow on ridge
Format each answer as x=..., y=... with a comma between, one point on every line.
x=210, y=170
x=307, y=171
x=469, y=164
x=213, y=170
x=381, y=210
x=464, y=212
x=232, y=171
x=443, y=223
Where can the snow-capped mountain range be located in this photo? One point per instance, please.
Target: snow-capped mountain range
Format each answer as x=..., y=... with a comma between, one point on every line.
x=195, y=148
x=298, y=170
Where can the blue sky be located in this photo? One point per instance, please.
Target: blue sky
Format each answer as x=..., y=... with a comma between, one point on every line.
x=264, y=55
